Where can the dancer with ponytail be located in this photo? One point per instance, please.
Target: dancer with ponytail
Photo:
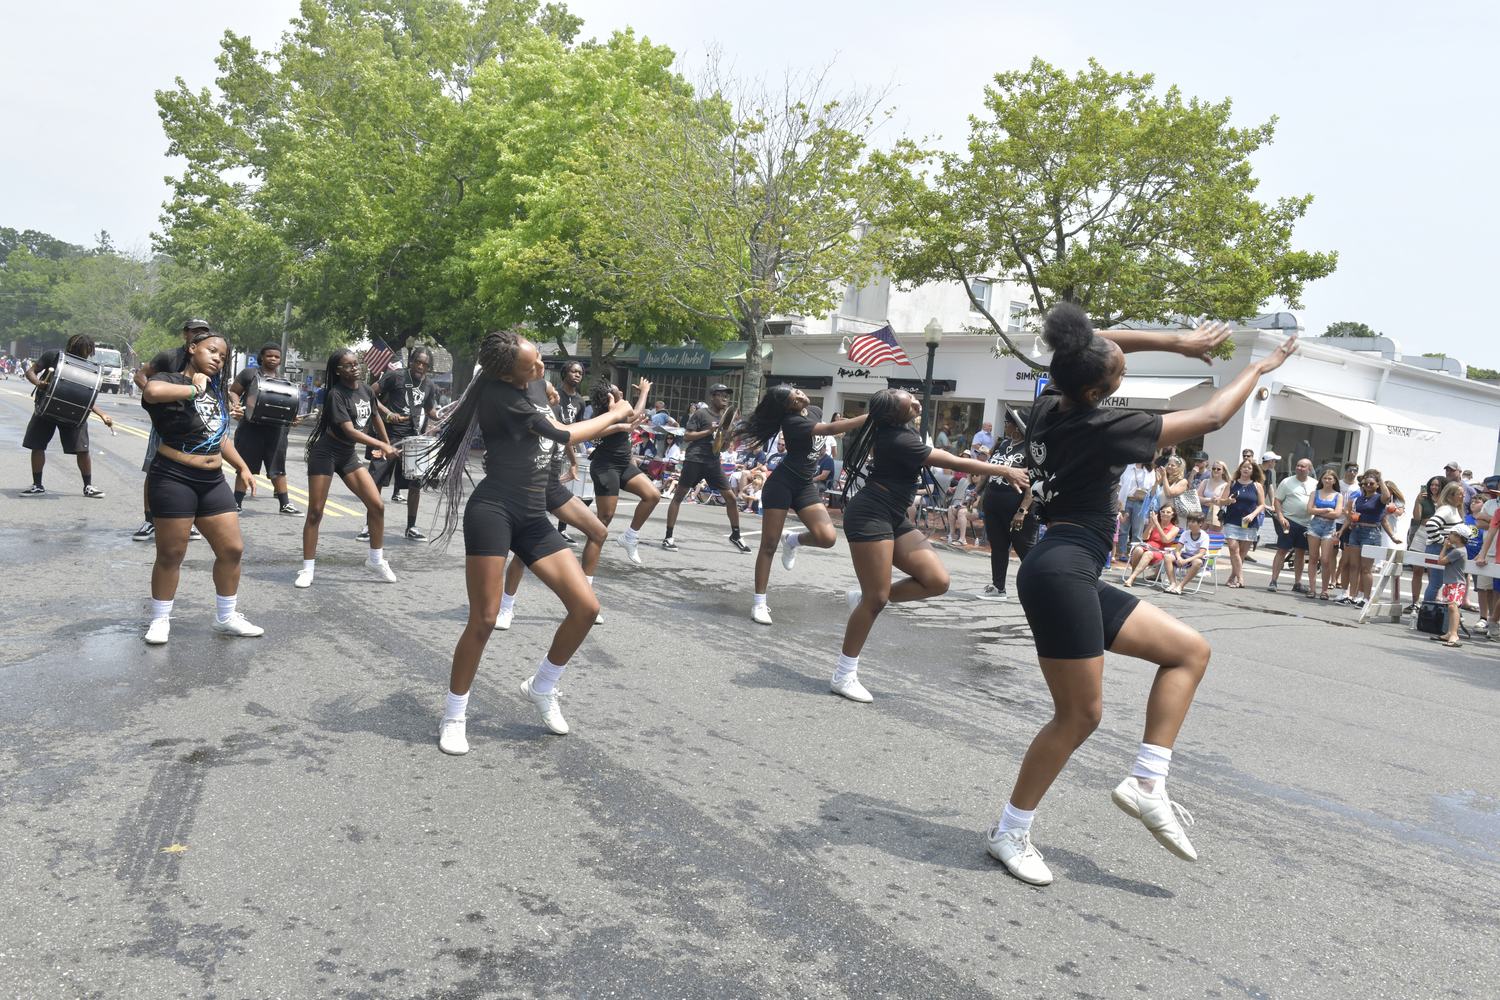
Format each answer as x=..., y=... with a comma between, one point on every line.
x=876, y=523
x=507, y=512
x=349, y=415
x=613, y=471
x=1076, y=451
x=190, y=414
x=786, y=411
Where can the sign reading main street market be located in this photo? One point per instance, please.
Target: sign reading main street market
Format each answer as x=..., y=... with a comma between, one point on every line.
x=696, y=358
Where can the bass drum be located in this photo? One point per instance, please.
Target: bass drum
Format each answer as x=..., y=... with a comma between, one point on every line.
x=70, y=391
x=276, y=402
x=417, y=454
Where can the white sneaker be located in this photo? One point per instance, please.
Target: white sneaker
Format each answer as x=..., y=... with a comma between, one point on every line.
x=853, y=597
x=1013, y=849
x=158, y=630
x=599, y=618
x=630, y=549
x=237, y=624
x=760, y=614
x=502, y=620
x=546, y=704
x=451, y=738
x=850, y=688
x=991, y=593
x=1162, y=816
x=304, y=579
x=381, y=569
x=788, y=552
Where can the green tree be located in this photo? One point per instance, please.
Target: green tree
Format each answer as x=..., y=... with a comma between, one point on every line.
x=1488, y=374
x=1090, y=189
x=106, y=294
x=1345, y=328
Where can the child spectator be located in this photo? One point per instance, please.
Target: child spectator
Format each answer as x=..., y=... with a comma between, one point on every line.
x=1453, y=556
x=1189, y=553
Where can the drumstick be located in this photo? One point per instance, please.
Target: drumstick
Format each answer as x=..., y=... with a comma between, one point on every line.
x=110, y=426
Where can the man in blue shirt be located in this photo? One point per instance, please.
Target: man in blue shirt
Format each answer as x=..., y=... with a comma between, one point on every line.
x=824, y=475
x=985, y=437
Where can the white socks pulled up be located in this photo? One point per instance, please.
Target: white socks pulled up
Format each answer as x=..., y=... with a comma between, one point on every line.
x=377, y=556
x=162, y=610
x=1016, y=819
x=225, y=605
x=847, y=666
x=1151, y=766
x=457, y=706
x=546, y=676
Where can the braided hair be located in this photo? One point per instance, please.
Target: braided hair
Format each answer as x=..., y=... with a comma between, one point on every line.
x=884, y=411
x=599, y=394
x=497, y=357
x=764, y=422
x=331, y=377
x=80, y=345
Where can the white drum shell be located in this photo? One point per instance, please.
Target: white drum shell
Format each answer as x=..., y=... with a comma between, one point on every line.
x=417, y=454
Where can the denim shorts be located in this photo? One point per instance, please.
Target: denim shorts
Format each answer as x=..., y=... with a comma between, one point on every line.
x=1364, y=534
x=1322, y=527
x=1240, y=533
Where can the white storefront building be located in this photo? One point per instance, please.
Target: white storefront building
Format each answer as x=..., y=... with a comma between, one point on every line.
x=1329, y=403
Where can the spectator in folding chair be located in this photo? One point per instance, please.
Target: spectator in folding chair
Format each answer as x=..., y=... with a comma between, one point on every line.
x=1161, y=534
x=1189, y=554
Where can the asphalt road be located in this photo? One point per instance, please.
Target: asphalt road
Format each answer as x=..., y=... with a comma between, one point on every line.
x=241, y=818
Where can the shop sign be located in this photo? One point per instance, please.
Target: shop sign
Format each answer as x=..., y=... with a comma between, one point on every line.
x=686, y=358
x=857, y=373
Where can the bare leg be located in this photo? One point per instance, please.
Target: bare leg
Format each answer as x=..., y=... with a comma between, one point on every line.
x=171, y=546
x=576, y=515
x=1417, y=573
x=772, y=523
x=222, y=532
x=1236, y=560
x=926, y=574
x=872, y=565
x=1192, y=566
x=643, y=487
x=1366, y=576
x=607, y=507
x=560, y=571
x=485, y=576
x=514, y=570
x=85, y=464
x=317, y=499
x=362, y=486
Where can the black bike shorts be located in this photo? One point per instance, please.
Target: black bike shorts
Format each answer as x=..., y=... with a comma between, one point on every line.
x=262, y=445
x=332, y=458
x=1074, y=615
x=75, y=440
x=876, y=515
x=785, y=491
x=558, y=495
x=690, y=474
x=177, y=490
x=609, y=479
x=490, y=529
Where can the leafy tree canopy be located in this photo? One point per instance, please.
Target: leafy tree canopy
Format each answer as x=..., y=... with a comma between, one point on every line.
x=1345, y=328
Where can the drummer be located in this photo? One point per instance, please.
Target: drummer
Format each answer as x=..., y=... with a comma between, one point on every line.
x=75, y=440
x=407, y=400
x=262, y=444
x=171, y=361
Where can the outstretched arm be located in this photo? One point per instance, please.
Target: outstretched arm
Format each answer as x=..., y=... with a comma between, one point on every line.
x=1182, y=425
x=1197, y=344
x=841, y=426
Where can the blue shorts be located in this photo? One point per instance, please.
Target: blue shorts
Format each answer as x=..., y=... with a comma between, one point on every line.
x=1364, y=534
x=1322, y=527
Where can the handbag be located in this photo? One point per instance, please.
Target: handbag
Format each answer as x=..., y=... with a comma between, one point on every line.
x=1432, y=618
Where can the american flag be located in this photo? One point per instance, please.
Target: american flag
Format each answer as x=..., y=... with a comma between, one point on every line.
x=379, y=357
x=877, y=348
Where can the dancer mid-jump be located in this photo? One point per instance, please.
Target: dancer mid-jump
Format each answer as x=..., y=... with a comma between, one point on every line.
x=1076, y=450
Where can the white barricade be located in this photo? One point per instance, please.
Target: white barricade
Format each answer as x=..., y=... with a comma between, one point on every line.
x=1396, y=558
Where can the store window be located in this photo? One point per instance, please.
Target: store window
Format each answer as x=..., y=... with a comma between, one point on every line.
x=1294, y=442
x=681, y=392
x=959, y=420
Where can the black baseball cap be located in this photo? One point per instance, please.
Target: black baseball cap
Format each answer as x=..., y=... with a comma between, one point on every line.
x=196, y=324
x=717, y=387
x=1200, y=456
x=1492, y=484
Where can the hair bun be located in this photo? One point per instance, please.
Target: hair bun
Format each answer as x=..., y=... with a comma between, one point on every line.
x=1066, y=329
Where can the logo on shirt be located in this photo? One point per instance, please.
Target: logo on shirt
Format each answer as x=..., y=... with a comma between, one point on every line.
x=545, y=445
x=361, y=413
x=209, y=414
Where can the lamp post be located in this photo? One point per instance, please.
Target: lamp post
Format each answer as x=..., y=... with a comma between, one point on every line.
x=932, y=333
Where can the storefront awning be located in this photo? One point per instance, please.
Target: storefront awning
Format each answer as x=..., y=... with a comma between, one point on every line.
x=1153, y=392
x=1372, y=415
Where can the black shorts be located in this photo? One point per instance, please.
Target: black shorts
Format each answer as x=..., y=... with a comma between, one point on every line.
x=785, y=491
x=262, y=445
x=608, y=480
x=691, y=473
x=333, y=458
x=876, y=515
x=490, y=529
x=1294, y=537
x=1074, y=615
x=75, y=440
x=558, y=495
x=177, y=490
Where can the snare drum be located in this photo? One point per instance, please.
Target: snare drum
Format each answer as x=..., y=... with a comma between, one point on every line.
x=70, y=391
x=417, y=455
x=582, y=485
x=276, y=402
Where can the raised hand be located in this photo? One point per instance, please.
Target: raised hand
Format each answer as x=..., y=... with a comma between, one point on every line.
x=1203, y=340
x=1278, y=357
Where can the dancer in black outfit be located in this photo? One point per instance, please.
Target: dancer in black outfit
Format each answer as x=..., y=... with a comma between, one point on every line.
x=1077, y=450
x=507, y=513
x=190, y=415
x=171, y=360
x=348, y=416
x=75, y=440
x=407, y=400
x=700, y=463
x=1008, y=519
x=569, y=409
x=786, y=411
x=612, y=470
x=879, y=530
x=262, y=444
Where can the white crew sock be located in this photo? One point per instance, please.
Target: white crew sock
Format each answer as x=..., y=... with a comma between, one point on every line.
x=847, y=666
x=1151, y=766
x=1016, y=819
x=631, y=534
x=457, y=706
x=546, y=676
x=160, y=609
x=591, y=581
x=226, y=605
x=307, y=565
x=760, y=601
x=376, y=556
x=507, y=601
x=793, y=540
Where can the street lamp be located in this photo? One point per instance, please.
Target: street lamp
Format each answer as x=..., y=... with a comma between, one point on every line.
x=932, y=333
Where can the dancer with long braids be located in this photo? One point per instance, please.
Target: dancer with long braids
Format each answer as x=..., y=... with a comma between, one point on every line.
x=613, y=471
x=879, y=531
x=1076, y=451
x=507, y=512
x=190, y=417
x=348, y=417
x=786, y=410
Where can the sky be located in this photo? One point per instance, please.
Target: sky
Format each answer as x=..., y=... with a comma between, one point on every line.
x=1387, y=113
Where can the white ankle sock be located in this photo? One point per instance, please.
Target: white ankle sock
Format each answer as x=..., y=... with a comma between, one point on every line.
x=793, y=540
x=590, y=580
x=1016, y=819
x=760, y=601
x=507, y=601
x=1151, y=766
x=376, y=556
x=847, y=666
x=458, y=705
x=160, y=609
x=307, y=565
x=631, y=534
x=546, y=676
x=226, y=605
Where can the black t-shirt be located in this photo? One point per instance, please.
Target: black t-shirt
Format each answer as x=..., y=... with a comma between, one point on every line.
x=801, y=449
x=568, y=410
x=519, y=439
x=47, y=360
x=174, y=360
x=1075, y=458
x=410, y=399
x=899, y=454
x=195, y=427
x=701, y=450
x=355, y=405
x=613, y=451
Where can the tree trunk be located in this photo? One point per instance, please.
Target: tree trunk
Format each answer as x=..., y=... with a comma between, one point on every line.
x=754, y=329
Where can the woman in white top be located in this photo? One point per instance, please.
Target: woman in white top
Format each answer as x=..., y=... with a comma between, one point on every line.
x=1136, y=483
x=1211, y=493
